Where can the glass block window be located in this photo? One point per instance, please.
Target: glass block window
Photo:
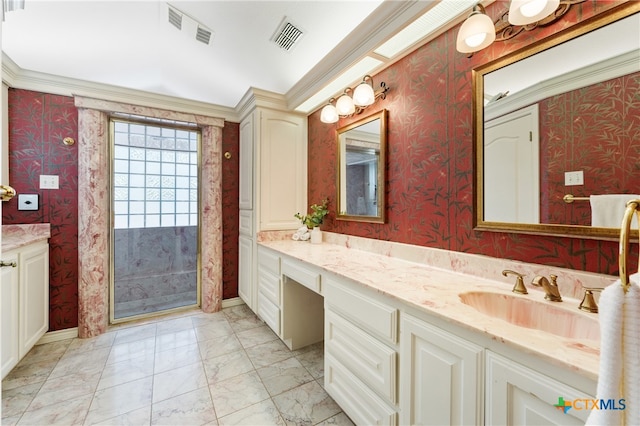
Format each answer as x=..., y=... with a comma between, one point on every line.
x=155, y=175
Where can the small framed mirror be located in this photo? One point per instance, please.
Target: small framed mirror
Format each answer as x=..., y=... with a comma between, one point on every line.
x=362, y=149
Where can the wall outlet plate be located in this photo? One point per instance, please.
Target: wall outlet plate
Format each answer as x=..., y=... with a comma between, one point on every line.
x=27, y=201
x=49, y=182
x=574, y=178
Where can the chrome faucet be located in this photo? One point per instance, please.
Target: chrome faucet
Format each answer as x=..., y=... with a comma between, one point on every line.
x=550, y=288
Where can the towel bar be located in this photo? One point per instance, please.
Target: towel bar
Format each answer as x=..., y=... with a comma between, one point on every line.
x=633, y=206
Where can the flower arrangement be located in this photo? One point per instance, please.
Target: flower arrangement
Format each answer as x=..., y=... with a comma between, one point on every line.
x=317, y=215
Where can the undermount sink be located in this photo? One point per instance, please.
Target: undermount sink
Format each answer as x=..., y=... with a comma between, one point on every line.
x=530, y=313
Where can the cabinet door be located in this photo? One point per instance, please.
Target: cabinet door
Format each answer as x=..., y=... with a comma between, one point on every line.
x=246, y=288
x=440, y=374
x=517, y=395
x=9, y=311
x=245, y=189
x=34, y=296
x=283, y=170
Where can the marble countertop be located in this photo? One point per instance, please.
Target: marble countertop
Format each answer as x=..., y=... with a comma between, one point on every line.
x=436, y=291
x=16, y=236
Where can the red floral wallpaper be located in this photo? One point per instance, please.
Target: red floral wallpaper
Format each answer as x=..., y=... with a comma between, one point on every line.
x=604, y=135
x=37, y=124
x=430, y=158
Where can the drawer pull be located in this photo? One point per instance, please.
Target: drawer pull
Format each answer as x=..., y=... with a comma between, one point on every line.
x=12, y=264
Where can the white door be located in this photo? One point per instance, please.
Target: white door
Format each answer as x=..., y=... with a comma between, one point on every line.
x=512, y=168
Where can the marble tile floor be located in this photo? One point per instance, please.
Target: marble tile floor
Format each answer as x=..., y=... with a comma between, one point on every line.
x=226, y=368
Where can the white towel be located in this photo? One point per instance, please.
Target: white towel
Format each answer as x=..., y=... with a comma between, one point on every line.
x=302, y=234
x=631, y=355
x=619, y=370
x=607, y=210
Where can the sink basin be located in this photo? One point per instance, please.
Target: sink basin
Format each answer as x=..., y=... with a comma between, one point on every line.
x=530, y=313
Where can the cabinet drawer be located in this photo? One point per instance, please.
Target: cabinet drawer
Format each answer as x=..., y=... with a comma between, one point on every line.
x=362, y=405
x=269, y=286
x=370, y=314
x=269, y=313
x=366, y=357
x=308, y=277
x=268, y=260
x=245, y=226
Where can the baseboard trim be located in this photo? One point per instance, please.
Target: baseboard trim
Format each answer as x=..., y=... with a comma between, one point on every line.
x=71, y=333
x=54, y=336
x=234, y=301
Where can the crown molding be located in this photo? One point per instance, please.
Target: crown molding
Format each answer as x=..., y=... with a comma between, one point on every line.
x=16, y=77
x=255, y=98
x=385, y=21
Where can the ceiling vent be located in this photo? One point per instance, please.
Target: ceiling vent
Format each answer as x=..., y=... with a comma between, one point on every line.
x=175, y=18
x=203, y=35
x=287, y=35
x=188, y=25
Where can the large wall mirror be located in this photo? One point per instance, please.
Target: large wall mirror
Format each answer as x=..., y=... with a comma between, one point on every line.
x=557, y=131
x=362, y=149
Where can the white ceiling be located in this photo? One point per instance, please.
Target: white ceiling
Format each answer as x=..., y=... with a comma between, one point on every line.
x=130, y=43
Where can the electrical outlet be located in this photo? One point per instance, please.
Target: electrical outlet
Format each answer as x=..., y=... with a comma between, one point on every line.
x=49, y=182
x=574, y=178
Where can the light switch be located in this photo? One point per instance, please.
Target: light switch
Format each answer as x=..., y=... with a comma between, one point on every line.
x=27, y=201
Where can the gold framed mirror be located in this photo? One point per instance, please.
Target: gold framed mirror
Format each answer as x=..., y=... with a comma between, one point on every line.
x=541, y=166
x=362, y=147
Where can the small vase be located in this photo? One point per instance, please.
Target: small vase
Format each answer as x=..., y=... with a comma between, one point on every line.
x=316, y=236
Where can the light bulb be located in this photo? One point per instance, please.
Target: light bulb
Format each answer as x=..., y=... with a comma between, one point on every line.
x=524, y=12
x=363, y=95
x=345, y=105
x=532, y=8
x=475, y=40
x=329, y=114
x=476, y=33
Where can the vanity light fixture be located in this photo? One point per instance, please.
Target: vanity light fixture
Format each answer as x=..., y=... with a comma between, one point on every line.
x=523, y=15
x=362, y=96
x=477, y=32
x=344, y=104
x=524, y=12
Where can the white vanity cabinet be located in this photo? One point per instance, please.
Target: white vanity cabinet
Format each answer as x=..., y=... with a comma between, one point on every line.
x=441, y=376
x=10, y=313
x=390, y=362
x=516, y=394
x=25, y=302
x=269, y=288
x=272, y=179
x=361, y=352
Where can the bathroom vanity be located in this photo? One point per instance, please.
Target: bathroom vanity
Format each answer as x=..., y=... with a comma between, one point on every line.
x=25, y=290
x=402, y=348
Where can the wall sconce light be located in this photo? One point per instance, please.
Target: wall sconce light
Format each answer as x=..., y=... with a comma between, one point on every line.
x=524, y=12
x=477, y=32
x=362, y=96
x=523, y=15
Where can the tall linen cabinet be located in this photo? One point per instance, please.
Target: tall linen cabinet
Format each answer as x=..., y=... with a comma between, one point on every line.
x=273, y=179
